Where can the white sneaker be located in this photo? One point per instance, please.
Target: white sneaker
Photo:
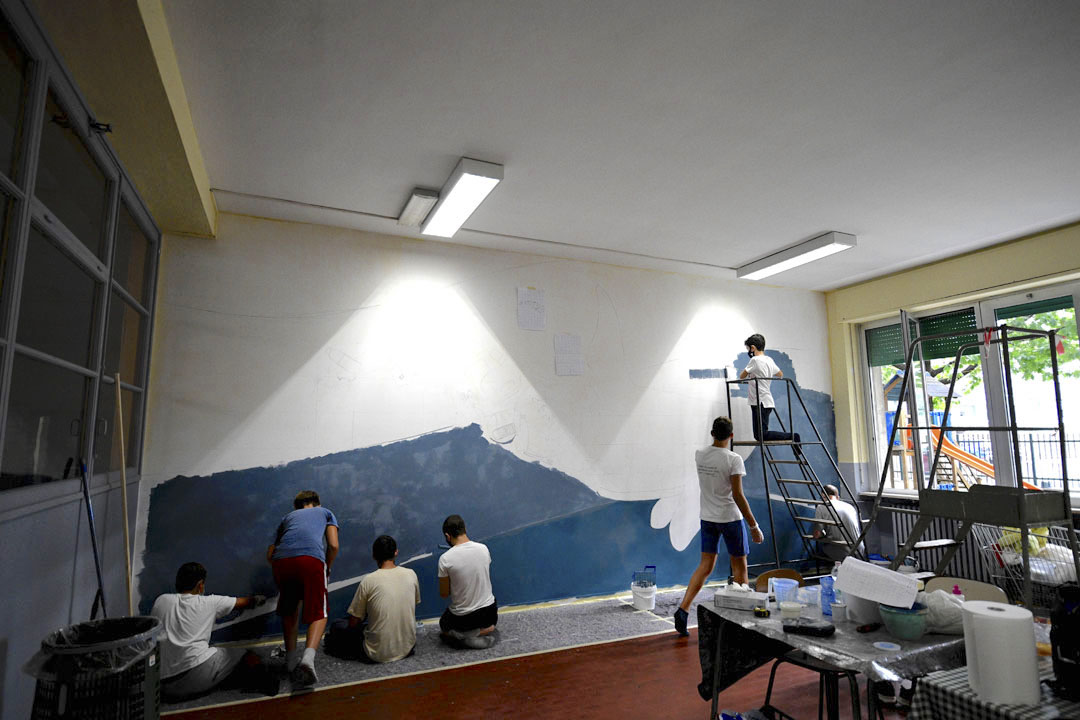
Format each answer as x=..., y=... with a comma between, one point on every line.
x=304, y=675
x=292, y=660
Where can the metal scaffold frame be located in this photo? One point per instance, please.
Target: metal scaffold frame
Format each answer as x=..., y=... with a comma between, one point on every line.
x=1002, y=506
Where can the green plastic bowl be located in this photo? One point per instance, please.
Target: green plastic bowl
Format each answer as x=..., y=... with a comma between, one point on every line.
x=905, y=623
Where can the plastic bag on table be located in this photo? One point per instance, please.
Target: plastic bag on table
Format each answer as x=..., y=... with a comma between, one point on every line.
x=944, y=612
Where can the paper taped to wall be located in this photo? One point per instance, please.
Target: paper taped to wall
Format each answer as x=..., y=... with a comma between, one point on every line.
x=568, y=357
x=531, y=314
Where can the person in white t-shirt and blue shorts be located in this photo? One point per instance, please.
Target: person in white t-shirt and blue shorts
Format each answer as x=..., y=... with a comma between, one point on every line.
x=725, y=514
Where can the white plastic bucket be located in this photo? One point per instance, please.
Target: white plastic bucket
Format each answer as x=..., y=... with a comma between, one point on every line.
x=862, y=611
x=644, y=597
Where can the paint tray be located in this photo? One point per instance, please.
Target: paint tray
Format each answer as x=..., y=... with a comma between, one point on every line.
x=646, y=577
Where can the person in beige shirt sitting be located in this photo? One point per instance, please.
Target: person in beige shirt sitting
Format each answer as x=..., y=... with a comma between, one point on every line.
x=381, y=622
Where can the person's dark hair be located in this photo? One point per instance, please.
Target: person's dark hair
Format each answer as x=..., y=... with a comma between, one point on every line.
x=188, y=576
x=304, y=497
x=757, y=340
x=721, y=428
x=383, y=549
x=454, y=526
x=832, y=491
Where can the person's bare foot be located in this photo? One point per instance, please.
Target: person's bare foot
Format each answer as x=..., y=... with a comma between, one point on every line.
x=486, y=631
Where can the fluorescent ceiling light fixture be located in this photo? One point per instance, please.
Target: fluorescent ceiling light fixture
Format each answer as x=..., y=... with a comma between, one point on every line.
x=463, y=192
x=417, y=208
x=809, y=251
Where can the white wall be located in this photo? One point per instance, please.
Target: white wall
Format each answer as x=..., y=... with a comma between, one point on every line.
x=280, y=341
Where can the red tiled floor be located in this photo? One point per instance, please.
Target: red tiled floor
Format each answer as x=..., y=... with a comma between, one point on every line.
x=639, y=679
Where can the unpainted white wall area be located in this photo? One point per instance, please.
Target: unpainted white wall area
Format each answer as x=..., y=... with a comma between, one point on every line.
x=280, y=341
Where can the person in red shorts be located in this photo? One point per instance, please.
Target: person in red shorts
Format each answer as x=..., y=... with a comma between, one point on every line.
x=304, y=548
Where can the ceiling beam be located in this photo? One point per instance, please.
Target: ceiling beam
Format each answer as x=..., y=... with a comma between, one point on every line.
x=121, y=56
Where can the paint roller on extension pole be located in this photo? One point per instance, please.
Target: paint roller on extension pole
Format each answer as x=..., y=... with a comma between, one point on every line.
x=123, y=494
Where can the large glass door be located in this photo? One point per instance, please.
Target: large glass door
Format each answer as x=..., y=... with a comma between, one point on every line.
x=1038, y=451
x=934, y=372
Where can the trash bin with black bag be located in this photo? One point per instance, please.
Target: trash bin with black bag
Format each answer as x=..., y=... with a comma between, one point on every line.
x=98, y=669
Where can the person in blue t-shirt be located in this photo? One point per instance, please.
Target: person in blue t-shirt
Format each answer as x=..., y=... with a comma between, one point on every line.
x=304, y=548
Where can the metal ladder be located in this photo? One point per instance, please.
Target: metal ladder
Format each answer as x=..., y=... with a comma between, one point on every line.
x=773, y=466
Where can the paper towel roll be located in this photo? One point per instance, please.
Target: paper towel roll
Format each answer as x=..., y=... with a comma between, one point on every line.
x=1000, y=645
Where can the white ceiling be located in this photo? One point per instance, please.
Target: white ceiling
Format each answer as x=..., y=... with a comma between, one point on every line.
x=703, y=132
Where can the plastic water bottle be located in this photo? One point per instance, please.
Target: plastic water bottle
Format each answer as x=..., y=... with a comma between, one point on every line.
x=827, y=595
x=837, y=595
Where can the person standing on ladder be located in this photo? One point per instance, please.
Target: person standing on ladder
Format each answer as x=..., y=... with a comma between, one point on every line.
x=761, y=370
x=723, y=508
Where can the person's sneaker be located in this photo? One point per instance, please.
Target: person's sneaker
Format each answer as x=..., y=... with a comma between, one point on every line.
x=292, y=659
x=304, y=675
x=906, y=695
x=886, y=693
x=681, y=616
x=479, y=642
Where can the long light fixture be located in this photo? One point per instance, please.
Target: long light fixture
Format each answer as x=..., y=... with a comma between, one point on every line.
x=463, y=192
x=809, y=251
x=418, y=206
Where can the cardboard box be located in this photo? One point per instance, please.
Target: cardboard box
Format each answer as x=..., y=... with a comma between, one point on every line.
x=739, y=600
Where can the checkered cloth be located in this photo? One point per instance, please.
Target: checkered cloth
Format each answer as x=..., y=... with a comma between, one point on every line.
x=946, y=694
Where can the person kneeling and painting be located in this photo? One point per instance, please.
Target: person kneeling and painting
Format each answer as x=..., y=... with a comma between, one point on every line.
x=465, y=578
x=381, y=622
x=189, y=665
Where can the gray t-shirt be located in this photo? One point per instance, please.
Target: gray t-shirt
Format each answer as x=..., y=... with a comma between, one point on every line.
x=848, y=515
x=715, y=466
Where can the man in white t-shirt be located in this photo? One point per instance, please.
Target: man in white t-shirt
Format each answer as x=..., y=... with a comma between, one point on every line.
x=761, y=370
x=835, y=546
x=381, y=626
x=465, y=578
x=723, y=508
x=189, y=666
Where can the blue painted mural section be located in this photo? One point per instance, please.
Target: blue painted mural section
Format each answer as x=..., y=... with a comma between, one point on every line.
x=550, y=535
x=819, y=406
x=226, y=520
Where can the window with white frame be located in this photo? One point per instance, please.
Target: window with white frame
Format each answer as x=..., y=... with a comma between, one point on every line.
x=971, y=453
x=77, y=266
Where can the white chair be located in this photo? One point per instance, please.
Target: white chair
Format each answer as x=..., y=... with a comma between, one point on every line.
x=972, y=589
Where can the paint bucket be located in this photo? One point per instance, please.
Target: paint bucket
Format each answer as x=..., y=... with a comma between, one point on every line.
x=644, y=596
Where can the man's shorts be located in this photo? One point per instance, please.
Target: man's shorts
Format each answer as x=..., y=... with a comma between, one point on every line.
x=301, y=578
x=736, y=538
x=476, y=620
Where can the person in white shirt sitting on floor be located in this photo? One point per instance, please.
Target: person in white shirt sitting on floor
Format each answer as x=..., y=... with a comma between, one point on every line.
x=465, y=578
x=381, y=622
x=831, y=542
x=189, y=666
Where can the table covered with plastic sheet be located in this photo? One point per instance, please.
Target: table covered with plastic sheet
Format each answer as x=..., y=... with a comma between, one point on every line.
x=735, y=642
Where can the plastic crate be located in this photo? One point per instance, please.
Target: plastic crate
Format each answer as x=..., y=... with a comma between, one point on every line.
x=646, y=577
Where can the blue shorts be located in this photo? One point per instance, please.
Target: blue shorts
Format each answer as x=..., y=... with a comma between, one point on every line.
x=736, y=538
